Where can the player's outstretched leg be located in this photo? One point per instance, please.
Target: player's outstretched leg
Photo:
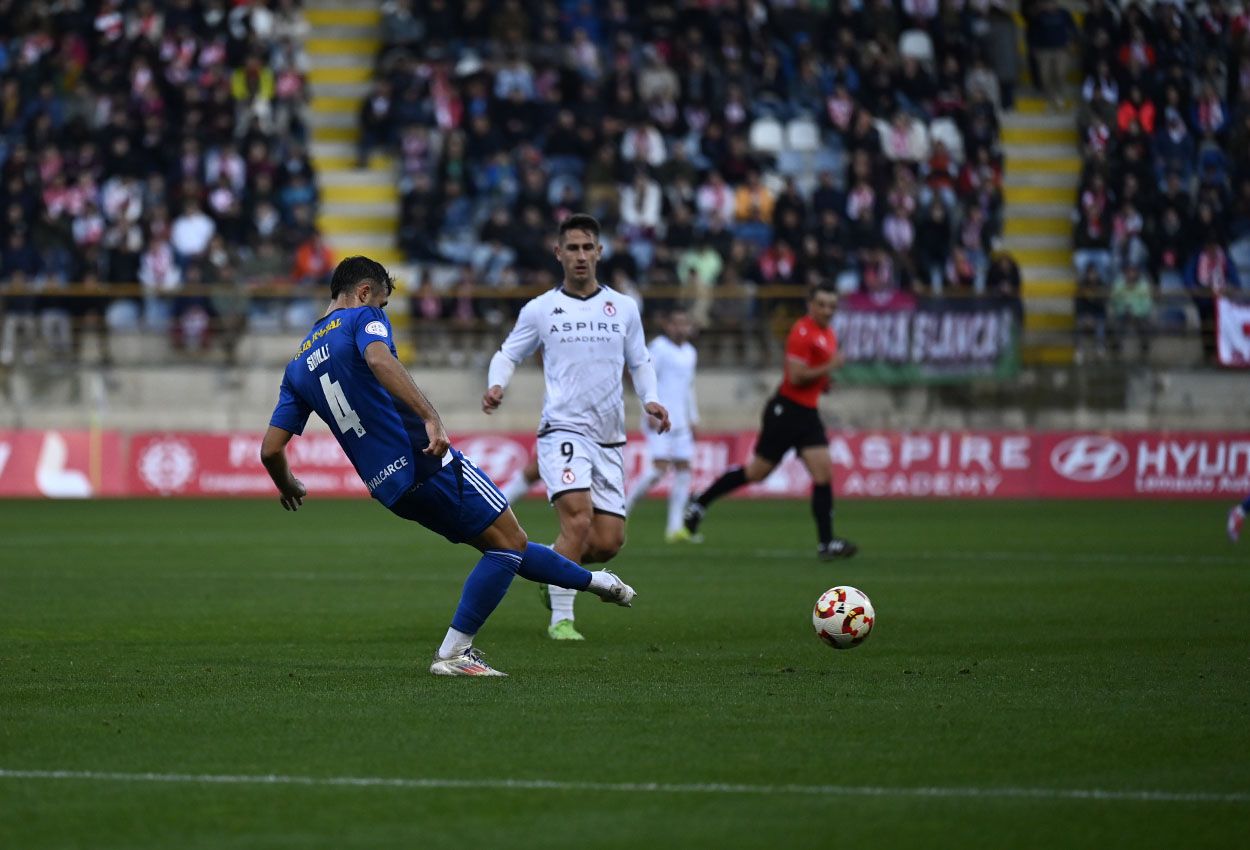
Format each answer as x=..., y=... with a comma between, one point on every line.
x=1237, y=518
x=756, y=470
x=727, y=483
x=653, y=474
x=483, y=590
x=547, y=566
x=678, y=496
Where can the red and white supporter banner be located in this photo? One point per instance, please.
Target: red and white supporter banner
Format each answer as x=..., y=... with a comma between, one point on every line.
x=61, y=464
x=1232, y=321
x=866, y=464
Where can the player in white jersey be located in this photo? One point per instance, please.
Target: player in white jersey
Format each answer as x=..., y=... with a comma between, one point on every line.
x=588, y=334
x=675, y=360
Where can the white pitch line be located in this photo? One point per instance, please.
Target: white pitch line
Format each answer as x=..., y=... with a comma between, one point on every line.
x=1096, y=794
x=1037, y=557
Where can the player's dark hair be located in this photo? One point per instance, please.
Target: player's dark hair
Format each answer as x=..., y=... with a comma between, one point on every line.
x=354, y=271
x=580, y=221
x=827, y=286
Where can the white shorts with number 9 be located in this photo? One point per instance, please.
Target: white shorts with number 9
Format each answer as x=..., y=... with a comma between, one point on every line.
x=569, y=462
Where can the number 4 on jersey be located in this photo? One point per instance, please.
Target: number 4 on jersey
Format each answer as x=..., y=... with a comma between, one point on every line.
x=346, y=418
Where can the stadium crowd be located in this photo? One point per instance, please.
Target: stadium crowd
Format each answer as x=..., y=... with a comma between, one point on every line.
x=1163, y=214
x=725, y=146
x=153, y=142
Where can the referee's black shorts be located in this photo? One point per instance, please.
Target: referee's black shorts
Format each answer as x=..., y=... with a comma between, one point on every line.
x=787, y=425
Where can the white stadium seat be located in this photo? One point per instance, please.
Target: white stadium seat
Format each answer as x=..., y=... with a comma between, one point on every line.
x=802, y=134
x=767, y=136
x=917, y=45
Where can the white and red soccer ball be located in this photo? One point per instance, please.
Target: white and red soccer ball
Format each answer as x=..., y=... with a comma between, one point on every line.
x=843, y=617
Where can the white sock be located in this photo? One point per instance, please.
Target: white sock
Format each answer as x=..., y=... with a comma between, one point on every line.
x=678, y=495
x=454, y=644
x=515, y=488
x=640, y=489
x=561, y=602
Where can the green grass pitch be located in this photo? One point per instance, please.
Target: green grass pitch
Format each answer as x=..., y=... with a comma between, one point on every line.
x=1055, y=674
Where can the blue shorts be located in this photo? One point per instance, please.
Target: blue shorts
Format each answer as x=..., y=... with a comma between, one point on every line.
x=459, y=501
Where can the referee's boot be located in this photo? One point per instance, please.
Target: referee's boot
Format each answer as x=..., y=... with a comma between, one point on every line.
x=838, y=547
x=692, y=517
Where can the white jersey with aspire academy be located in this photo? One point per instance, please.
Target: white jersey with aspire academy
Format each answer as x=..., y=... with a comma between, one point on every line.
x=674, y=371
x=587, y=343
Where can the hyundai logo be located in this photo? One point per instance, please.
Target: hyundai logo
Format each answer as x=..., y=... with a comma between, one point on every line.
x=1089, y=458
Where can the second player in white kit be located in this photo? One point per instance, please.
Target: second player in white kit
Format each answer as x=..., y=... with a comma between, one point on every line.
x=589, y=334
x=675, y=361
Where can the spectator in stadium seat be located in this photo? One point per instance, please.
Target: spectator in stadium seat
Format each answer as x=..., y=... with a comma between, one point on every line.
x=1210, y=274
x=1091, y=238
x=699, y=269
x=1174, y=146
x=19, y=267
x=716, y=200
x=1051, y=35
x=1132, y=308
x=933, y=243
x=1210, y=116
x=160, y=275
x=1003, y=279
x=1136, y=109
x=252, y=86
x=314, y=262
x=753, y=209
x=1002, y=51
x=905, y=139
x=1100, y=93
x=402, y=28
x=191, y=232
x=1090, y=311
x=376, y=121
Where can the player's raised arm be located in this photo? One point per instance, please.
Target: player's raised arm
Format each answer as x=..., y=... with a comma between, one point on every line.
x=273, y=456
x=521, y=343
x=642, y=372
x=392, y=375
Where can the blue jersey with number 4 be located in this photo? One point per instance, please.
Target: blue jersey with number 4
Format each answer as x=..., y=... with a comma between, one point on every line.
x=381, y=436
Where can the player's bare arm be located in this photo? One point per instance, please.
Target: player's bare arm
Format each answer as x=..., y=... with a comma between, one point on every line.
x=273, y=455
x=659, y=416
x=802, y=374
x=392, y=375
x=491, y=399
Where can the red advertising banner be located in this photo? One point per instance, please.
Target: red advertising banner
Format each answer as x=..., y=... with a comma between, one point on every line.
x=1170, y=465
x=61, y=464
x=192, y=464
x=866, y=464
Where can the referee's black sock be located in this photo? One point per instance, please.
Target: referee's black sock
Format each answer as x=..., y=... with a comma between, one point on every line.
x=727, y=483
x=822, y=510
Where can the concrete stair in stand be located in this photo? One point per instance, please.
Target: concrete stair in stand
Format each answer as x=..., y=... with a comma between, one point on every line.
x=359, y=206
x=1042, y=172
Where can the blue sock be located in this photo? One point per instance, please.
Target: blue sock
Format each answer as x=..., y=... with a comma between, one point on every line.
x=484, y=589
x=547, y=566
x=1245, y=506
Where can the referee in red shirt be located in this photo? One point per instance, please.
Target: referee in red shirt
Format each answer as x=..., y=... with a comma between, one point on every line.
x=791, y=420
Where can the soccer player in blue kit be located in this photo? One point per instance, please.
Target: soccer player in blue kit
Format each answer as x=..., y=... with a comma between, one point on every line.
x=346, y=371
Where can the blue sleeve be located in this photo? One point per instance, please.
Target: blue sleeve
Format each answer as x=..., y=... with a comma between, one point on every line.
x=372, y=326
x=292, y=413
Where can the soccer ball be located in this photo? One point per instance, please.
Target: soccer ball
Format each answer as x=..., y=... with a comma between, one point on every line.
x=843, y=617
